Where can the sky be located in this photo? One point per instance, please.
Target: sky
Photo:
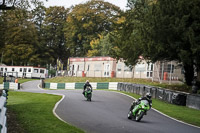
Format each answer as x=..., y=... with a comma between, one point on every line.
x=69, y=3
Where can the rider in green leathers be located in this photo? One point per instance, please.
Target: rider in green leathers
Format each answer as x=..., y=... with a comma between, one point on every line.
x=87, y=83
x=146, y=97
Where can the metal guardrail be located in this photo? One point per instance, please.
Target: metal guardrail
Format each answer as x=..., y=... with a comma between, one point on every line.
x=3, y=109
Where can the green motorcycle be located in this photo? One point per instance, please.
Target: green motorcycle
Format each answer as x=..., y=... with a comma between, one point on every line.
x=139, y=110
x=88, y=93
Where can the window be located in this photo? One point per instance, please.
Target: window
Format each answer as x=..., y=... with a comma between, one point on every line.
x=119, y=67
x=78, y=68
x=5, y=69
x=41, y=71
x=13, y=69
x=2, y=69
x=35, y=70
x=88, y=68
x=150, y=67
x=25, y=69
x=97, y=67
x=170, y=68
x=20, y=70
x=140, y=68
x=81, y=67
x=127, y=68
x=29, y=70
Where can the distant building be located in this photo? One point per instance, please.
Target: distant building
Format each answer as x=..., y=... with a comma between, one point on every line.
x=23, y=71
x=110, y=67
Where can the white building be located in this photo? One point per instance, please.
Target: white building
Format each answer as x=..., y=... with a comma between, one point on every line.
x=110, y=67
x=24, y=71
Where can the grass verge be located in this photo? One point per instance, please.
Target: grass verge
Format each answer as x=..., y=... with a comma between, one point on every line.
x=33, y=114
x=181, y=113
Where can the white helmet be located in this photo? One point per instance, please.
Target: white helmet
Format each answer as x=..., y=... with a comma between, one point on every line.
x=148, y=95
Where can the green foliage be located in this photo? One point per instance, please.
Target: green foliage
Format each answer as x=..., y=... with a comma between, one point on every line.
x=52, y=72
x=20, y=54
x=54, y=21
x=38, y=30
x=100, y=46
x=161, y=30
x=85, y=22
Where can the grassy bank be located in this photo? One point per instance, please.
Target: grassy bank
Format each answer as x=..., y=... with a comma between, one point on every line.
x=32, y=113
x=178, y=87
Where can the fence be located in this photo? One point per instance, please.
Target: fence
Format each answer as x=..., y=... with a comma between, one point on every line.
x=162, y=76
x=3, y=109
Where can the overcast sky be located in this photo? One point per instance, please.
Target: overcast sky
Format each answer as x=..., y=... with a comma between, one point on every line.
x=69, y=3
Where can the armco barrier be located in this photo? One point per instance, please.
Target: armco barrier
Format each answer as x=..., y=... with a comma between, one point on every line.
x=6, y=85
x=3, y=109
x=179, y=98
x=102, y=85
x=10, y=85
x=112, y=85
x=79, y=85
x=193, y=101
x=109, y=85
x=53, y=85
x=69, y=85
x=47, y=85
x=61, y=86
x=170, y=96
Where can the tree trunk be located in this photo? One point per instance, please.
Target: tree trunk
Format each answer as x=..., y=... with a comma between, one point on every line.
x=189, y=74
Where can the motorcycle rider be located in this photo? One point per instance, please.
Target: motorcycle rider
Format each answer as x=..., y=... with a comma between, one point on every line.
x=146, y=97
x=87, y=84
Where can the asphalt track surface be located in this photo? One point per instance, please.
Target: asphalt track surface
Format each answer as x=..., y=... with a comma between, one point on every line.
x=107, y=113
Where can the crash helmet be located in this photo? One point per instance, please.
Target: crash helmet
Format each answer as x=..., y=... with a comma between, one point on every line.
x=87, y=82
x=148, y=95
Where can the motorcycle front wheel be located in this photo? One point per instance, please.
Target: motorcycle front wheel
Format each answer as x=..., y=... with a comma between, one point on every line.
x=138, y=117
x=89, y=97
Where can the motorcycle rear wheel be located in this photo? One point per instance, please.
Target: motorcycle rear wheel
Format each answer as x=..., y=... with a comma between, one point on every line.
x=130, y=115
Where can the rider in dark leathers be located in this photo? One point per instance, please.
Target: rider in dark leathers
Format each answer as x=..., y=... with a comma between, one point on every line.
x=87, y=83
x=146, y=97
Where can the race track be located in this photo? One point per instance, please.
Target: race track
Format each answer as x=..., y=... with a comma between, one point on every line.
x=107, y=113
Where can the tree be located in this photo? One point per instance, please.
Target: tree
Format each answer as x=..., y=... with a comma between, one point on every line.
x=85, y=22
x=46, y=54
x=55, y=19
x=100, y=46
x=18, y=31
x=163, y=30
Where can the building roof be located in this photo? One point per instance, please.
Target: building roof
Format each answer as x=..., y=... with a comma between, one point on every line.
x=82, y=59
